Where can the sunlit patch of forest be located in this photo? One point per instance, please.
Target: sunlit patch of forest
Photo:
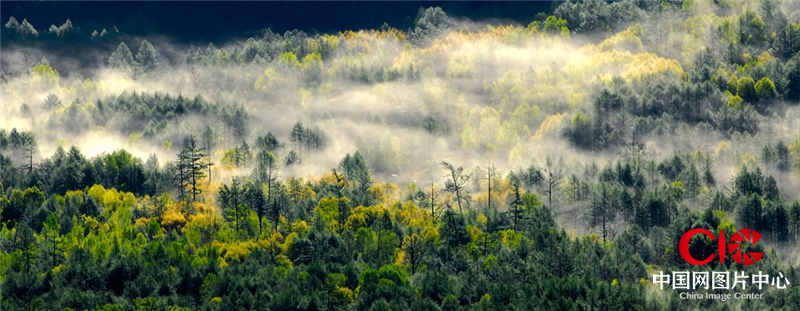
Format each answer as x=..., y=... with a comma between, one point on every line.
x=455, y=165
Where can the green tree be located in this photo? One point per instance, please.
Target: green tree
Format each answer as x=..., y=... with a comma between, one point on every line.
x=25, y=28
x=579, y=132
x=265, y=174
x=69, y=171
x=291, y=158
x=765, y=89
x=120, y=170
x=692, y=181
x=28, y=147
x=604, y=208
x=12, y=23
x=414, y=248
x=52, y=102
x=453, y=230
x=231, y=199
x=147, y=56
x=750, y=211
x=254, y=196
x=122, y=58
x=776, y=219
x=384, y=287
x=752, y=29
x=192, y=164
x=268, y=143
x=783, y=157
x=359, y=179
x=794, y=220
x=22, y=205
x=793, y=78
x=787, y=41
x=52, y=240
x=556, y=25
x=62, y=30
x=297, y=134
x=515, y=202
x=265, y=168
x=745, y=88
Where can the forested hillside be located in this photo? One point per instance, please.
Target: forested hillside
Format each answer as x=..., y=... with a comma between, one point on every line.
x=455, y=165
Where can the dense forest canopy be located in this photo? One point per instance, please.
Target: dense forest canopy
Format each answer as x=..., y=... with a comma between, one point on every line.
x=439, y=167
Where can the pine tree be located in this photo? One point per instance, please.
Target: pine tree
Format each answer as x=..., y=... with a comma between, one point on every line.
x=52, y=241
x=794, y=220
x=414, y=247
x=297, y=134
x=268, y=142
x=60, y=31
x=516, y=202
x=692, y=181
x=231, y=198
x=291, y=158
x=553, y=177
x=28, y=145
x=12, y=24
x=254, y=196
x=191, y=168
x=358, y=177
x=265, y=173
x=604, y=208
x=147, y=56
x=783, y=157
x=122, y=58
x=209, y=143
x=26, y=29
x=708, y=176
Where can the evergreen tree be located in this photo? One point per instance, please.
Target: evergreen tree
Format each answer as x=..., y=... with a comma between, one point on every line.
x=794, y=220
x=231, y=200
x=254, y=196
x=26, y=29
x=147, y=56
x=604, y=208
x=122, y=58
x=692, y=178
x=268, y=143
x=191, y=168
x=515, y=202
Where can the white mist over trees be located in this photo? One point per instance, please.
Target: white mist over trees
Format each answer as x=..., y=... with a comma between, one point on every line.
x=446, y=160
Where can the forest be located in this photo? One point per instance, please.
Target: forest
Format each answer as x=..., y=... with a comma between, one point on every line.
x=456, y=165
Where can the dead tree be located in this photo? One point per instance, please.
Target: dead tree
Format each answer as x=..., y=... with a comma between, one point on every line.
x=456, y=183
